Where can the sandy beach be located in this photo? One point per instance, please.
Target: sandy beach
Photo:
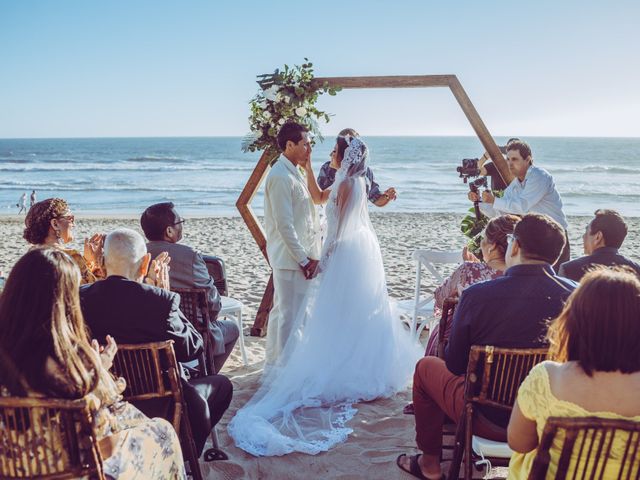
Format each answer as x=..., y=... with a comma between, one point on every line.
x=381, y=431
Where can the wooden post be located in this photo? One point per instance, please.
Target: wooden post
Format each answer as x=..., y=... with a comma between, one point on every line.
x=406, y=81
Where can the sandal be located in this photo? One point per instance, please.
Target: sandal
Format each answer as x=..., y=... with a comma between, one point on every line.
x=409, y=409
x=214, y=454
x=414, y=468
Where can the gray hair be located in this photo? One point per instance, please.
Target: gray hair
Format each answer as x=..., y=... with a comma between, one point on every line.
x=124, y=249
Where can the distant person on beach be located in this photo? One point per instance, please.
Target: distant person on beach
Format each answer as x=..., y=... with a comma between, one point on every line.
x=22, y=203
x=163, y=226
x=488, y=169
x=327, y=176
x=531, y=191
x=601, y=240
x=33, y=199
x=50, y=222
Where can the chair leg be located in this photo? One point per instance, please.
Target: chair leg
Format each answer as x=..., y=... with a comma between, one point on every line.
x=243, y=351
x=458, y=449
x=214, y=438
x=468, y=448
x=189, y=447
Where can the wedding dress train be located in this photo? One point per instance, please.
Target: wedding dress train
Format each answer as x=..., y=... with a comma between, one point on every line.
x=346, y=345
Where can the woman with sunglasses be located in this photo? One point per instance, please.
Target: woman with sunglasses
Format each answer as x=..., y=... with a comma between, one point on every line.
x=51, y=223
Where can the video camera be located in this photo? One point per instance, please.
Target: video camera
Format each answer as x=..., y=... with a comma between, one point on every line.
x=468, y=170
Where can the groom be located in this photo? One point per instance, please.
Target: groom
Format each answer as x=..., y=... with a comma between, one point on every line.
x=291, y=228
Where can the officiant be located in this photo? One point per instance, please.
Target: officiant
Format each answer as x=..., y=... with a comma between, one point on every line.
x=327, y=176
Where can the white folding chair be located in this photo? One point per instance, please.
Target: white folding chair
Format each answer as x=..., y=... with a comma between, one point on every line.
x=233, y=308
x=423, y=307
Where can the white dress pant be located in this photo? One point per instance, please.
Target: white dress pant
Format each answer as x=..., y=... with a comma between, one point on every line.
x=290, y=288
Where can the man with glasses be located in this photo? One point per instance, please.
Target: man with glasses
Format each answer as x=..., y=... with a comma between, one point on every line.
x=163, y=228
x=509, y=312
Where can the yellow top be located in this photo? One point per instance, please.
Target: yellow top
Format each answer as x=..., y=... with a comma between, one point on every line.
x=537, y=403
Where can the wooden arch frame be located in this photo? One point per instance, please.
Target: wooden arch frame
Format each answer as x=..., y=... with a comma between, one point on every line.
x=408, y=81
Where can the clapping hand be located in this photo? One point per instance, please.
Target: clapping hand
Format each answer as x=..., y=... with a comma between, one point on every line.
x=159, y=271
x=467, y=256
x=106, y=352
x=388, y=195
x=93, y=249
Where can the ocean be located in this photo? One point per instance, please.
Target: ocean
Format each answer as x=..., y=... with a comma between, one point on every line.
x=204, y=176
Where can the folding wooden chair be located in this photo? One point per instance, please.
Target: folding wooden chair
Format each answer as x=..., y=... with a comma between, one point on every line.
x=153, y=386
x=48, y=439
x=493, y=378
x=194, y=303
x=588, y=447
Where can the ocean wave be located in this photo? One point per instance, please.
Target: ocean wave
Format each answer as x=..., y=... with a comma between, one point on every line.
x=59, y=187
x=595, y=169
x=153, y=158
x=7, y=167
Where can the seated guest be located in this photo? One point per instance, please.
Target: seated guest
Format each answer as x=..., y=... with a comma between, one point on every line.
x=494, y=246
x=601, y=240
x=133, y=312
x=595, y=343
x=45, y=350
x=163, y=228
x=51, y=223
x=510, y=312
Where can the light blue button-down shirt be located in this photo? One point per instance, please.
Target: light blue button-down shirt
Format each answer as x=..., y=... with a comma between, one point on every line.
x=535, y=194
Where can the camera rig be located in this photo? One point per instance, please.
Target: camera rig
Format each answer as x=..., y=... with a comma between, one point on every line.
x=470, y=169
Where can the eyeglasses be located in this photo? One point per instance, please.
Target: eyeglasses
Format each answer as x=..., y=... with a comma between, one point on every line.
x=180, y=220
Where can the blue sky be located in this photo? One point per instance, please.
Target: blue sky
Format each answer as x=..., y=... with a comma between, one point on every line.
x=160, y=68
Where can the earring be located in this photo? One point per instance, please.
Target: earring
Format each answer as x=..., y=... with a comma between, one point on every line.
x=58, y=236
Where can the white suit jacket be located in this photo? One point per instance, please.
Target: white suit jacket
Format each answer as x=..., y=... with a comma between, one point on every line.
x=291, y=225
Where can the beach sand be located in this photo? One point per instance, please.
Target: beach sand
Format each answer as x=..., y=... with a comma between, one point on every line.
x=381, y=431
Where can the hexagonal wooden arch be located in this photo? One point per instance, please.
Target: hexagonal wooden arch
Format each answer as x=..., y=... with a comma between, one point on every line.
x=409, y=81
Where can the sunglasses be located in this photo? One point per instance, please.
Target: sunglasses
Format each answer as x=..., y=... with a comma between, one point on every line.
x=69, y=218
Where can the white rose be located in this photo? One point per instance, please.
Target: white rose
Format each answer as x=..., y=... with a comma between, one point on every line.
x=301, y=111
x=281, y=121
x=266, y=115
x=287, y=98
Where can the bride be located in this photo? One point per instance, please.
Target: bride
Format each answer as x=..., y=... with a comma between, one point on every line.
x=346, y=344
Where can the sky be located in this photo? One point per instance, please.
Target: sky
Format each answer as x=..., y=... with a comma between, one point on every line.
x=165, y=68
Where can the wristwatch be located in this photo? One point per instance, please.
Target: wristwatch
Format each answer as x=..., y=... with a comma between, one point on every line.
x=305, y=263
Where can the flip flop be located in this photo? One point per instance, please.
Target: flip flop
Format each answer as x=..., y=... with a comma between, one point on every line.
x=214, y=454
x=414, y=468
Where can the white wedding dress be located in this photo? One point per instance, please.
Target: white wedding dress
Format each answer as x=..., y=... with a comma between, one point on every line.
x=346, y=345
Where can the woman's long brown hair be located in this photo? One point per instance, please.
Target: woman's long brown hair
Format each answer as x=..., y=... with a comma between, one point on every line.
x=41, y=319
x=599, y=326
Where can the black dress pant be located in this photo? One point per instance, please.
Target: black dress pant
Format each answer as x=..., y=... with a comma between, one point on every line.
x=207, y=399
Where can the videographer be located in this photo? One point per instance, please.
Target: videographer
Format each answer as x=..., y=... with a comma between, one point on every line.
x=531, y=191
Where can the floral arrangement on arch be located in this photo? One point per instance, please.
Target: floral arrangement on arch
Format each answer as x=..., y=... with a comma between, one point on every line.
x=287, y=95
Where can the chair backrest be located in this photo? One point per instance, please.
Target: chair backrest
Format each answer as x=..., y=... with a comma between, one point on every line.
x=590, y=447
x=47, y=439
x=194, y=303
x=495, y=374
x=218, y=272
x=151, y=372
x=430, y=258
x=444, y=326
